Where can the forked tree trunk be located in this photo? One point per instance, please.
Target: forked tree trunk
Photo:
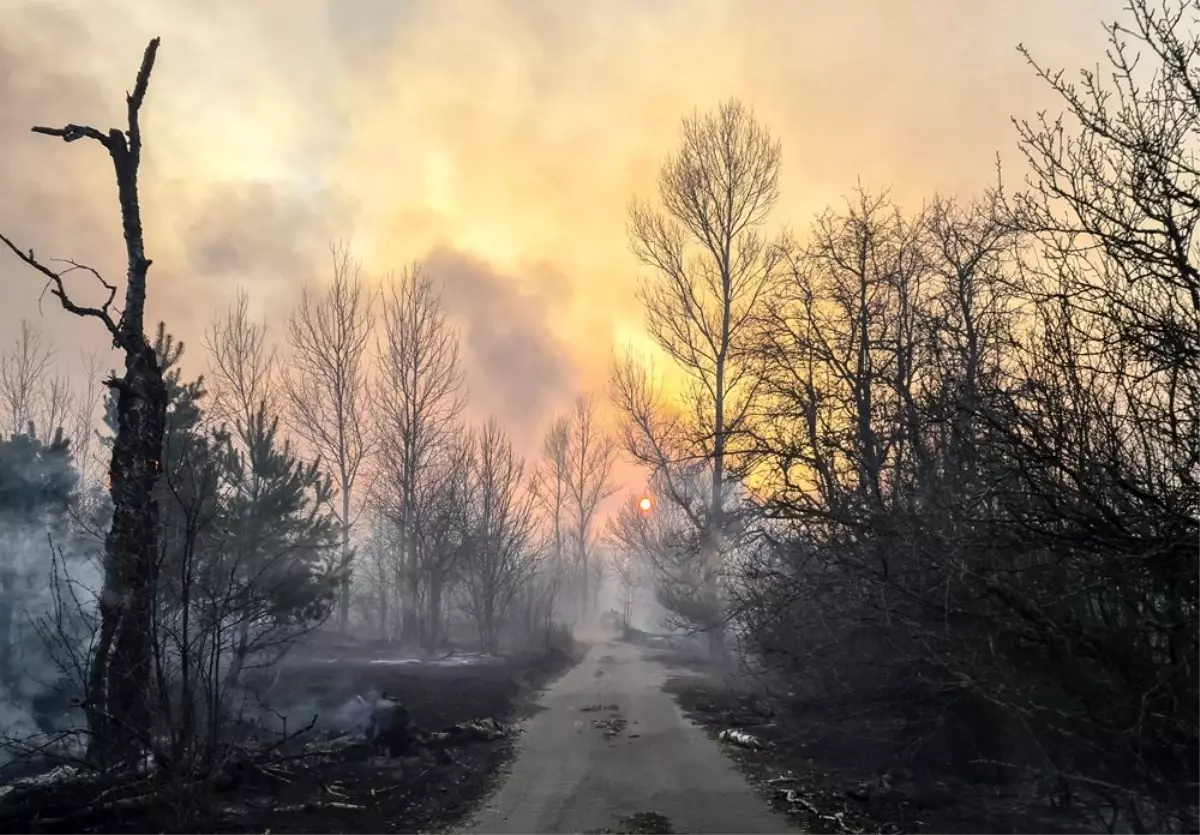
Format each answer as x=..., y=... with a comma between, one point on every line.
x=117, y=704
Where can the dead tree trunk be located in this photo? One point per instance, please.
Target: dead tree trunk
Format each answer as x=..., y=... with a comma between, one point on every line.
x=118, y=682
x=435, y=612
x=410, y=622
x=344, y=589
x=117, y=689
x=383, y=606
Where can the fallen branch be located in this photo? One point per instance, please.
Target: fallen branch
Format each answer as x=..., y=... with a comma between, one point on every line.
x=314, y=806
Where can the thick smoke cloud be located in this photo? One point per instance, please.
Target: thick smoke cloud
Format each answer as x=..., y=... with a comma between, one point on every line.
x=516, y=368
x=261, y=229
x=266, y=238
x=515, y=132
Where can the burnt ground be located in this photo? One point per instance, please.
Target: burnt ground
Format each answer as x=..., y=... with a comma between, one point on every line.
x=327, y=779
x=416, y=793
x=832, y=769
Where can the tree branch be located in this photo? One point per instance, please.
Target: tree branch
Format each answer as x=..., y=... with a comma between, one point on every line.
x=72, y=132
x=134, y=99
x=102, y=313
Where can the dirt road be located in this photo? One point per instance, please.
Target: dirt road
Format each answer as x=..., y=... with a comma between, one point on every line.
x=608, y=743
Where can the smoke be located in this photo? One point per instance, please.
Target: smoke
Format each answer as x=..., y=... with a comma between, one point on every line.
x=515, y=132
x=283, y=716
x=516, y=368
x=49, y=597
x=16, y=722
x=266, y=236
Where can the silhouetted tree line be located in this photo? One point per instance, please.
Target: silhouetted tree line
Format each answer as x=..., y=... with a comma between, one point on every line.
x=968, y=435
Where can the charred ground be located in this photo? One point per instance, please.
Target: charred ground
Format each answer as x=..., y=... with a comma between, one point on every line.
x=842, y=766
x=324, y=776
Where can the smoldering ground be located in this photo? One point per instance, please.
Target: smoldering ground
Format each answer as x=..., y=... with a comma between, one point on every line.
x=47, y=611
x=313, y=712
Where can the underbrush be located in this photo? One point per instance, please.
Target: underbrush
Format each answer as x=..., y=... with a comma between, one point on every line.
x=878, y=764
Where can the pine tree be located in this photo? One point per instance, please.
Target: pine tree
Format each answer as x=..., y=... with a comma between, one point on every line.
x=247, y=543
x=280, y=534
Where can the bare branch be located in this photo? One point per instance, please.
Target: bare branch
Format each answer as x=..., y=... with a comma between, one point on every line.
x=59, y=289
x=71, y=133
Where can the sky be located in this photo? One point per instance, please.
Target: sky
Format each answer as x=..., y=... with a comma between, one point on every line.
x=499, y=143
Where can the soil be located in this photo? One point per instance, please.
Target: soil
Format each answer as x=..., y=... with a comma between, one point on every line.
x=643, y=823
x=828, y=771
x=328, y=780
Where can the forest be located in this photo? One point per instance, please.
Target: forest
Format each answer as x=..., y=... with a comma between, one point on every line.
x=929, y=471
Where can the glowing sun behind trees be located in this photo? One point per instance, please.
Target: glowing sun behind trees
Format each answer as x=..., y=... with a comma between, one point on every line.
x=645, y=504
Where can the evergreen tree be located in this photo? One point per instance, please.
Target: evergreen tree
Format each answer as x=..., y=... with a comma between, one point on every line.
x=38, y=481
x=244, y=533
x=279, y=533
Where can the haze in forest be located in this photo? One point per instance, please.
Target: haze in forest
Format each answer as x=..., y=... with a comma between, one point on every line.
x=498, y=142
x=843, y=353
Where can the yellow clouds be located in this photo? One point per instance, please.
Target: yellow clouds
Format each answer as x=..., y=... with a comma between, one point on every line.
x=506, y=134
x=518, y=131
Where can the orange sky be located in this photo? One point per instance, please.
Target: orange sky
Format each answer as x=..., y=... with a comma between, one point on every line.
x=501, y=141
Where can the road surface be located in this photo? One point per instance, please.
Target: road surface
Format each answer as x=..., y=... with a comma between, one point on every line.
x=582, y=769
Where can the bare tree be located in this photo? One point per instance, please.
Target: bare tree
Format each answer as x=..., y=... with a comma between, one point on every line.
x=502, y=556
x=326, y=389
x=590, y=455
x=84, y=422
x=418, y=400
x=971, y=318
x=120, y=672
x=35, y=395
x=551, y=488
x=625, y=567
x=375, y=578
x=841, y=349
x=628, y=535
x=241, y=367
x=241, y=387
x=23, y=371
x=57, y=403
x=712, y=266
x=442, y=532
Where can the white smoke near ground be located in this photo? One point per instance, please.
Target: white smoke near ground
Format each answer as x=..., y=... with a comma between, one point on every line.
x=352, y=717
x=47, y=607
x=355, y=715
x=15, y=721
